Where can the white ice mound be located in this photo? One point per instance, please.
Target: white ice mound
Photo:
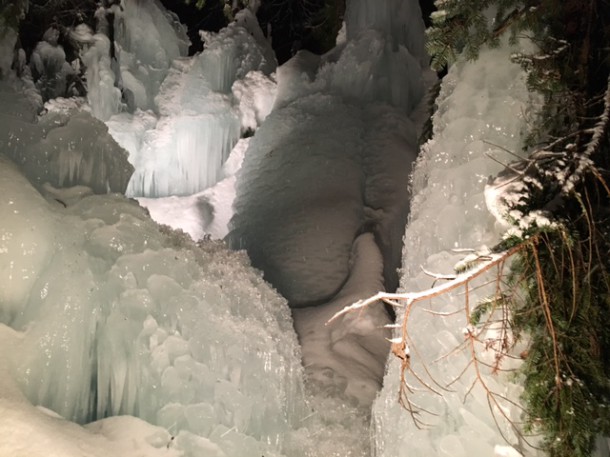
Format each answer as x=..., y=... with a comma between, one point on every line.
x=333, y=160
x=481, y=111
x=65, y=147
x=299, y=199
x=119, y=317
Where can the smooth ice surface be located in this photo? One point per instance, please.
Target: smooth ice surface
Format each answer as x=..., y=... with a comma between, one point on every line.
x=481, y=111
x=116, y=316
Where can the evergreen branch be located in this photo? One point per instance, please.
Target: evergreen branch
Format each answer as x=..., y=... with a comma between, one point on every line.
x=584, y=159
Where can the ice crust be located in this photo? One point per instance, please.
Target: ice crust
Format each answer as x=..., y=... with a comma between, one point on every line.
x=117, y=316
x=481, y=110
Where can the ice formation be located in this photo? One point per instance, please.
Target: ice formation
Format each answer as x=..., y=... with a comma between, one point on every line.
x=329, y=162
x=202, y=105
x=105, y=313
x=116, y=317
x=323, y=189
x=65, y=147
x=481, y=112
x=49, y=67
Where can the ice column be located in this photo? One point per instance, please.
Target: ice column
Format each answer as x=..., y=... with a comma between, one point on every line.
x=481, y=112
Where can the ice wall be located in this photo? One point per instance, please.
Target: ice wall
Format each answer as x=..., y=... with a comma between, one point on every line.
x=116, y=315
x=482, y=110
x=129, y=55
x=381, y=61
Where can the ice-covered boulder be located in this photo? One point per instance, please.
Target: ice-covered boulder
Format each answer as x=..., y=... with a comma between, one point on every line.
x=299, y=203
x=322, y=196
x=333, y=159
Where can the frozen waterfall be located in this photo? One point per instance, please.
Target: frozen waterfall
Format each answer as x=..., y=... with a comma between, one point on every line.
x=184, y=115
x=119, y=336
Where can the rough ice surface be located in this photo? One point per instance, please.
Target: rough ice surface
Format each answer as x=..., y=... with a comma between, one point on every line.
x=148, y=39
x=381, y=62
x=481, y=110
x=49, y=67
x=125, y=70
x=115, y=316
x=66, y=147
x=203, y=106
